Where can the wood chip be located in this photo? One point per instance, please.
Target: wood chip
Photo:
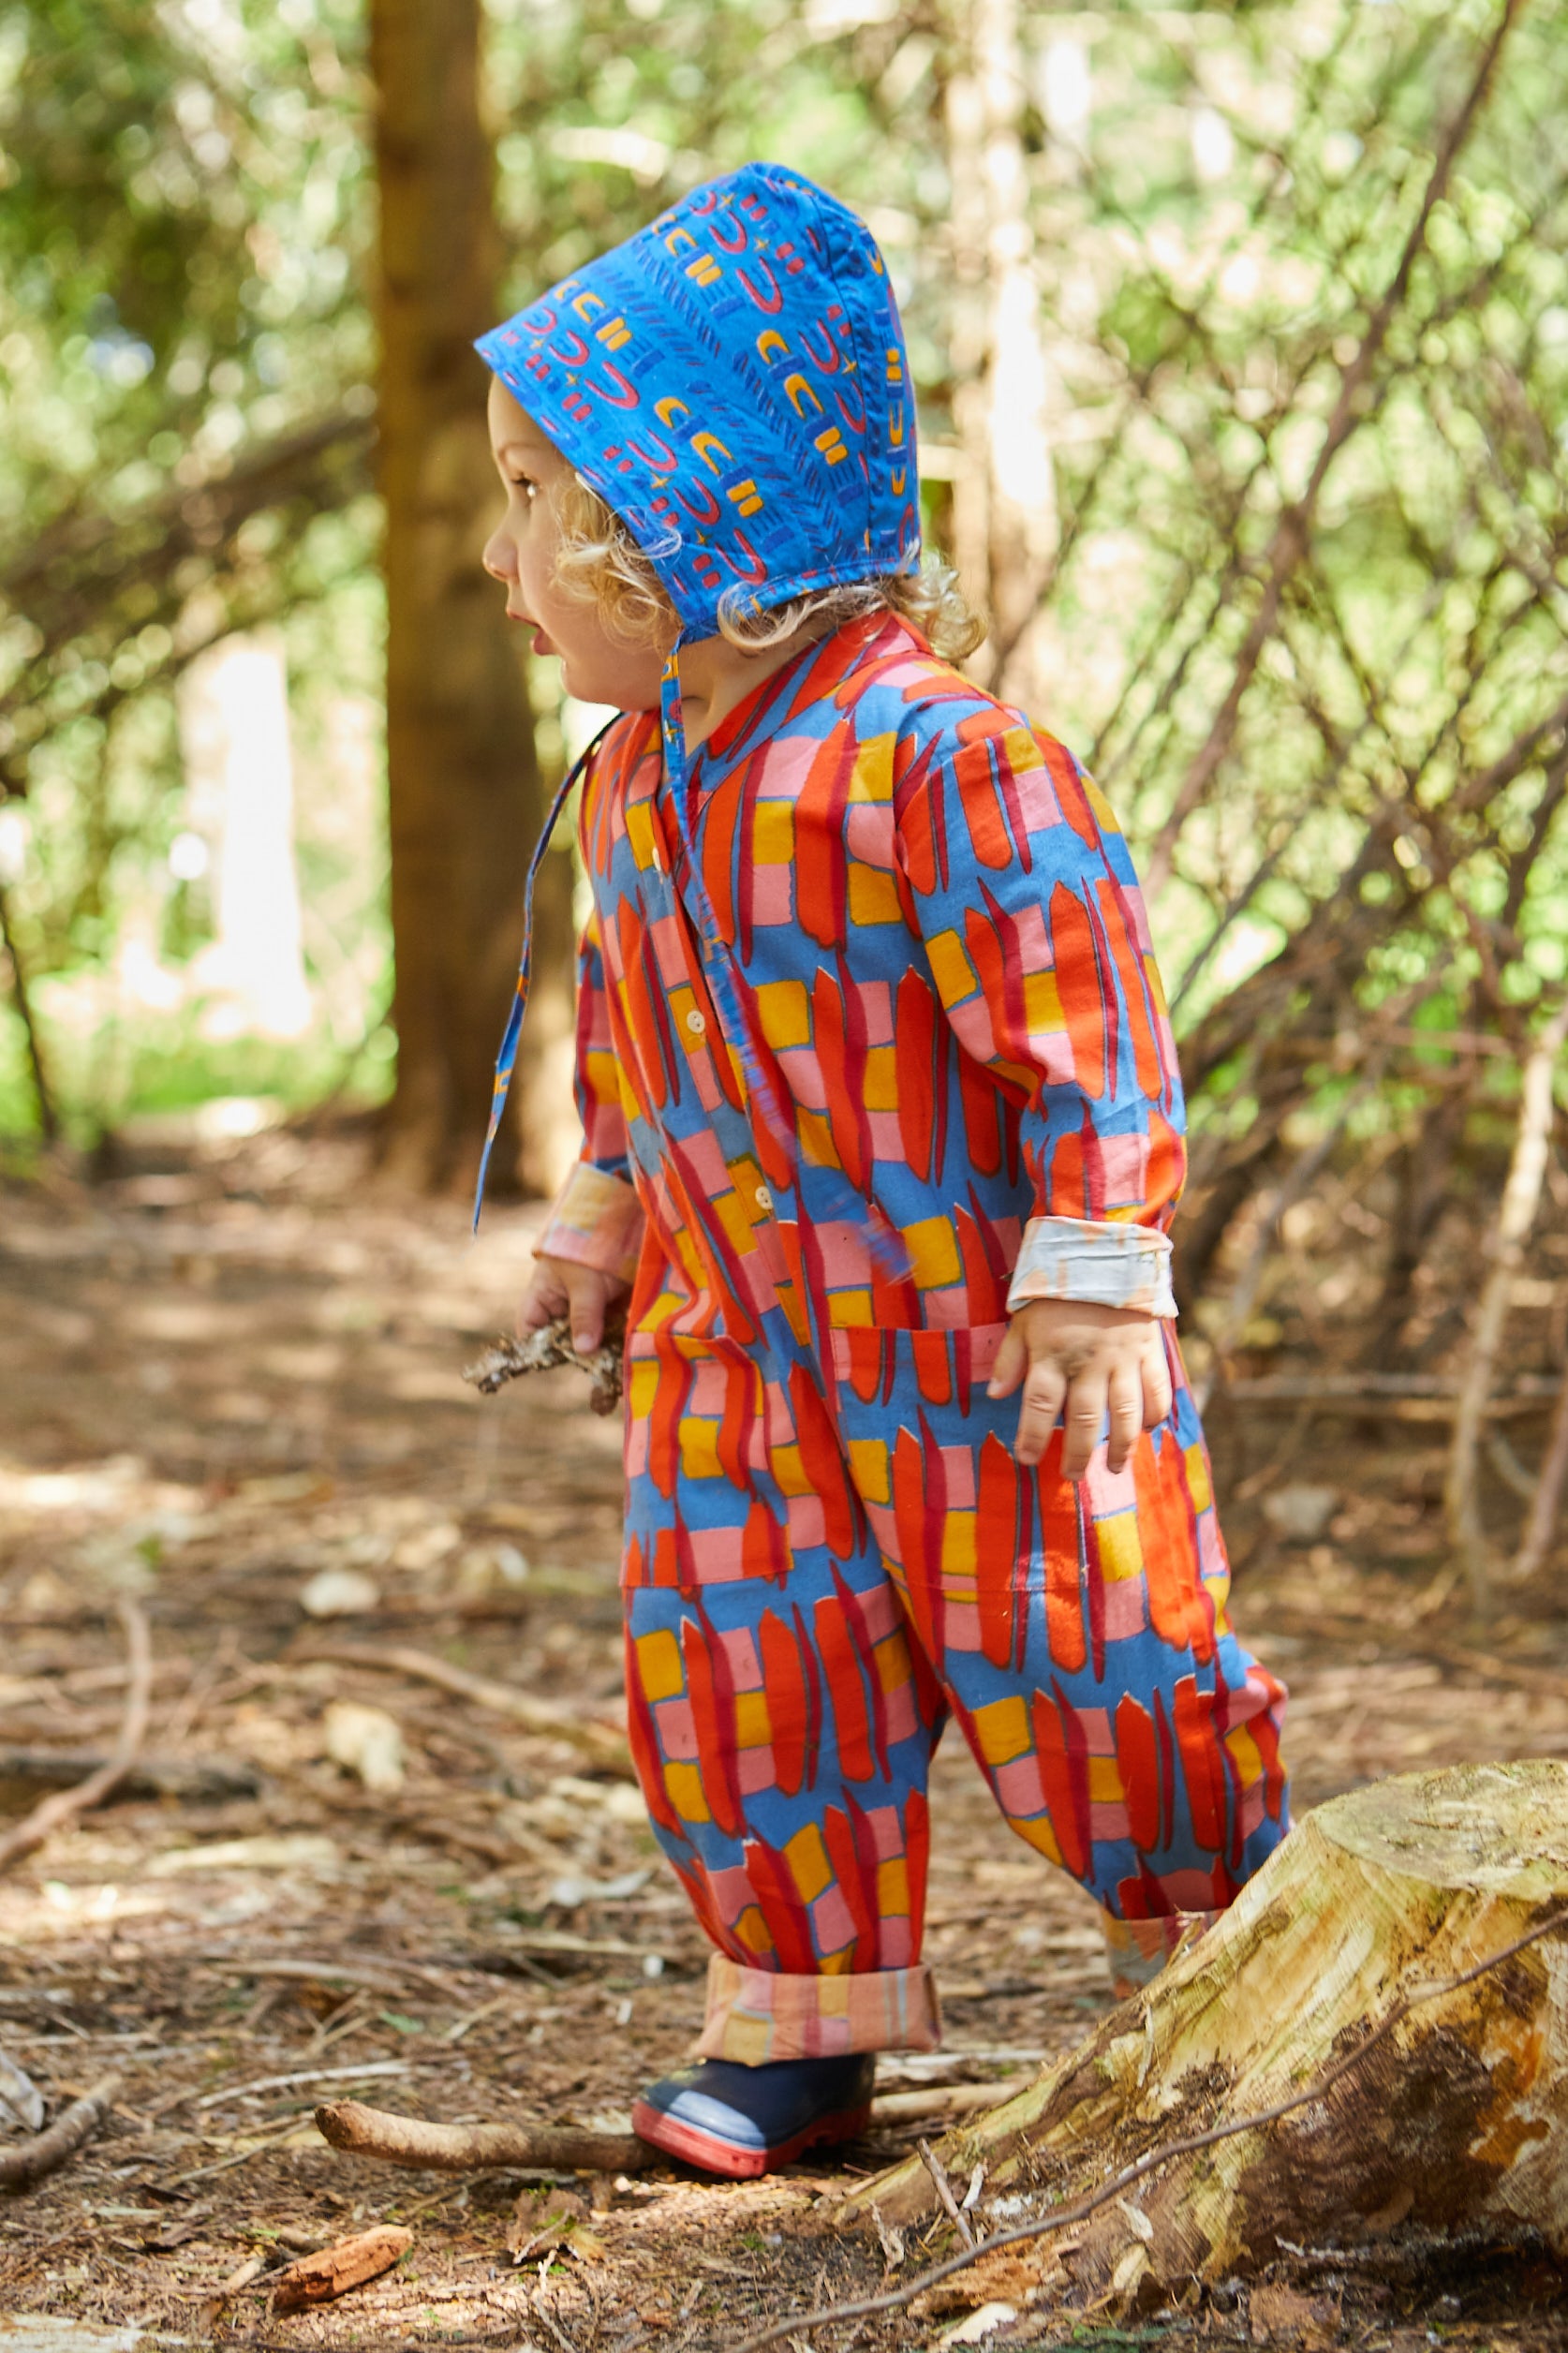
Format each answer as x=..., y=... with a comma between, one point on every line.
x=319, y=2279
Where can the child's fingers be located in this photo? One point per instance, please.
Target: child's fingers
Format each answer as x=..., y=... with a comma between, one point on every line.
x=1125, y=1398
x=1082, y=1421
x=1043, y=1392
x=1158, y=1397
x=1013, y=1361
x=544, y=1299
x=585, y=1304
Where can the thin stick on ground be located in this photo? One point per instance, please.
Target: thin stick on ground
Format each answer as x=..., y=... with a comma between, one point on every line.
x=938, y=2171
x=1521, y=1196
x=51, y=1812
x=550, y=1719
x=70, y=2131
x=1546, y=1502
x=1061, y=2218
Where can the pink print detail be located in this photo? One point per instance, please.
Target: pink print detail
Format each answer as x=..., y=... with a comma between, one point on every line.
x=677, y=1731
x=806, y=1520
x=773, y=895
x=832, y=1921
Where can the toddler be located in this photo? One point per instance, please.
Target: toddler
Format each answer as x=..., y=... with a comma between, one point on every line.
x=883, y=1132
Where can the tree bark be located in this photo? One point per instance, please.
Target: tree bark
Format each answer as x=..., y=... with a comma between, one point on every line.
x=1004, y=514
x=1457, y=2120
x=462, y=776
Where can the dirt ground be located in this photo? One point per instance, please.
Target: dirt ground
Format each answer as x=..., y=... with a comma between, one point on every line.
x=230, y=1390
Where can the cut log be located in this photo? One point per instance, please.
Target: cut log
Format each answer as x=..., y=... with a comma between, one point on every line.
x=1457, y=2120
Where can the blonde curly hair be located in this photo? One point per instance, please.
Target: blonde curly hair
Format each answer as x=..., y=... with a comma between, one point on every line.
x=598, y=561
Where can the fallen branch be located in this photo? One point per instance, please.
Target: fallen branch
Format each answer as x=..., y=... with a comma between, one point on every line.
x=70, y=2131
x=1398, y=1396
x=193, y=1780
x=507, y=1359
x=319, y=2279
x=49, y=1814
x=551, y=1719
x=373, y=2132
x=1521, y=1196
x=943, y=2099
x=1062, y=2217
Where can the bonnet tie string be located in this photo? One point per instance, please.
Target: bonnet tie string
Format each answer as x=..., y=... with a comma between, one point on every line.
x=506, y=1061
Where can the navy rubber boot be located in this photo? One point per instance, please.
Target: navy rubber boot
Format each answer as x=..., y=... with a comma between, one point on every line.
x=740, y=2121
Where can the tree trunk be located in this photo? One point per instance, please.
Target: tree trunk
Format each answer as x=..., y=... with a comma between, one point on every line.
x=1458, y=2122
x=464, y=779
x=1004, y=515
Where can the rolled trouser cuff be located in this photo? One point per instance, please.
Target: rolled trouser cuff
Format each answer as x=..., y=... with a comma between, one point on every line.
x=758, y=2015
x=1137, y=1950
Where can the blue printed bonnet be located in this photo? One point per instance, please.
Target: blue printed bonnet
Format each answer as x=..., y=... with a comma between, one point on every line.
x=733, y=381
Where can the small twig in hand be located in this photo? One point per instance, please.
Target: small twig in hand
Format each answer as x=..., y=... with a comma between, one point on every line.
x=938, y=2171
x=506, y=1359
x=47, y=1816
x=70, y=2131
x=1060, y=2218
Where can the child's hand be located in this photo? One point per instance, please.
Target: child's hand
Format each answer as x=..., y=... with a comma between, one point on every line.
x=1079, y=1359
x=560, y=1287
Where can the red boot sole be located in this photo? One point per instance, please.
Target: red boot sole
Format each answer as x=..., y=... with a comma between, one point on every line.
x=713, y=2156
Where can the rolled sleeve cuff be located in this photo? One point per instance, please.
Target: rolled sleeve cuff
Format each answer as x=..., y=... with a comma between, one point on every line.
x=597, y=1220
x=1106, y=1266
x=757, y=2016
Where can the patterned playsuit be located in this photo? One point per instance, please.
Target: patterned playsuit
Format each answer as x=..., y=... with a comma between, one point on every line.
x=871, y=1048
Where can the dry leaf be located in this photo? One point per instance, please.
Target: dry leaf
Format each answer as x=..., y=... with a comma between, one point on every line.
x=19, y=2096
x=1283, y=2316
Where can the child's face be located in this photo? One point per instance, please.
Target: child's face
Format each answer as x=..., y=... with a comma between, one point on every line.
x=595, y=667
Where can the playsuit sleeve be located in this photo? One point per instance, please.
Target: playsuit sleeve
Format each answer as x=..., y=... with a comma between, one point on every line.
x=596, y=1218
x=1024, y=894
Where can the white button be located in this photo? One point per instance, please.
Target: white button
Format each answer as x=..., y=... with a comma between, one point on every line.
x=764, y=1198
x=696, y=1024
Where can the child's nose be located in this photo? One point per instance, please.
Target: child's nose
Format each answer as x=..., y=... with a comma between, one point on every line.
x=498, y=559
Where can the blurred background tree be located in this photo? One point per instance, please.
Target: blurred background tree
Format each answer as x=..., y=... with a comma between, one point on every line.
x=1241, y=340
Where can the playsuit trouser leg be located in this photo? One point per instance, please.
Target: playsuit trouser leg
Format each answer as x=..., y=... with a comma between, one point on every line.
x=810, y=1591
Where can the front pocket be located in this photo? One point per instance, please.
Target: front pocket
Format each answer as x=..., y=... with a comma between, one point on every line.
x=879, y=1364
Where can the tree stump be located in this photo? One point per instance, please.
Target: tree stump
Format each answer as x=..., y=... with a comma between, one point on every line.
x=1458, y=2122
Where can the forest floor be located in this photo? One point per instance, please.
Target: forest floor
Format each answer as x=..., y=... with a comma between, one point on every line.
x=229, y=1376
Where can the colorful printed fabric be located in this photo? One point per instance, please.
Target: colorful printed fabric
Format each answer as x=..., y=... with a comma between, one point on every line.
x=830, y=1547
x=733, y=381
